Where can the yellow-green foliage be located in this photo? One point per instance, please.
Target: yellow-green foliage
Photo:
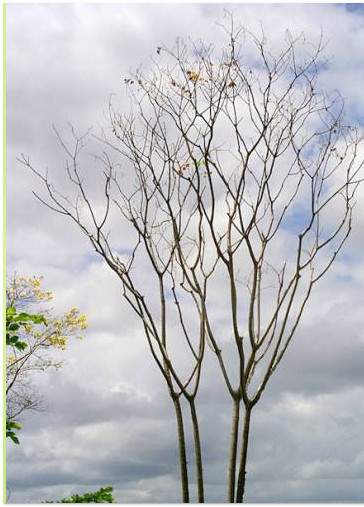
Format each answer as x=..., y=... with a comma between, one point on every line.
x=26, y=289
x=23, y=291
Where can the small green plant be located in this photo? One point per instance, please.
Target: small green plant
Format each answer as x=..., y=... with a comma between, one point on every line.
x=103, y=495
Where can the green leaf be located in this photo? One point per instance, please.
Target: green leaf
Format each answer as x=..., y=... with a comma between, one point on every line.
x=39, y=319
x=21, y=345
x=10, y=427
x=13, y=437
x=15, y=342
x=13, y=424
x=26, y=317
x=10, y=311
x=13, y=326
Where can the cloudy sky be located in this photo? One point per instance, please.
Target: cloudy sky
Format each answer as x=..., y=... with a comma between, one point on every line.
x=108, y=418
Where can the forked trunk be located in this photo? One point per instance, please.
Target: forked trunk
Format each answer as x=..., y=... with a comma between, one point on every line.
x=233, y=451
x=198, y=455
x=182, y=451
x=243, y=457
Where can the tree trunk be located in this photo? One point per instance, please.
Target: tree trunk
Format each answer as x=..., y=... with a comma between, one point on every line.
x=182, y=451
x=233, y=450
x=198, y=456
x=244, y=451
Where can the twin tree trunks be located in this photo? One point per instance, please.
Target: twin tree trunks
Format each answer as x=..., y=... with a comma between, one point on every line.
x=233, y=179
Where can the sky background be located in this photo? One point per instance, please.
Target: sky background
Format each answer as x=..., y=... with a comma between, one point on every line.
x=108, y=418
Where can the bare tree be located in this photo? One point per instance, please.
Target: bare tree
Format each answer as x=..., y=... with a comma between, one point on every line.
x=242, y=179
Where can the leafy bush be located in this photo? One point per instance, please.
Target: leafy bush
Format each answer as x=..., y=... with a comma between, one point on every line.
x=103, y=495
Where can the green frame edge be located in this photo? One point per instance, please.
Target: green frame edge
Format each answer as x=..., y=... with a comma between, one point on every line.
x=4, y=251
